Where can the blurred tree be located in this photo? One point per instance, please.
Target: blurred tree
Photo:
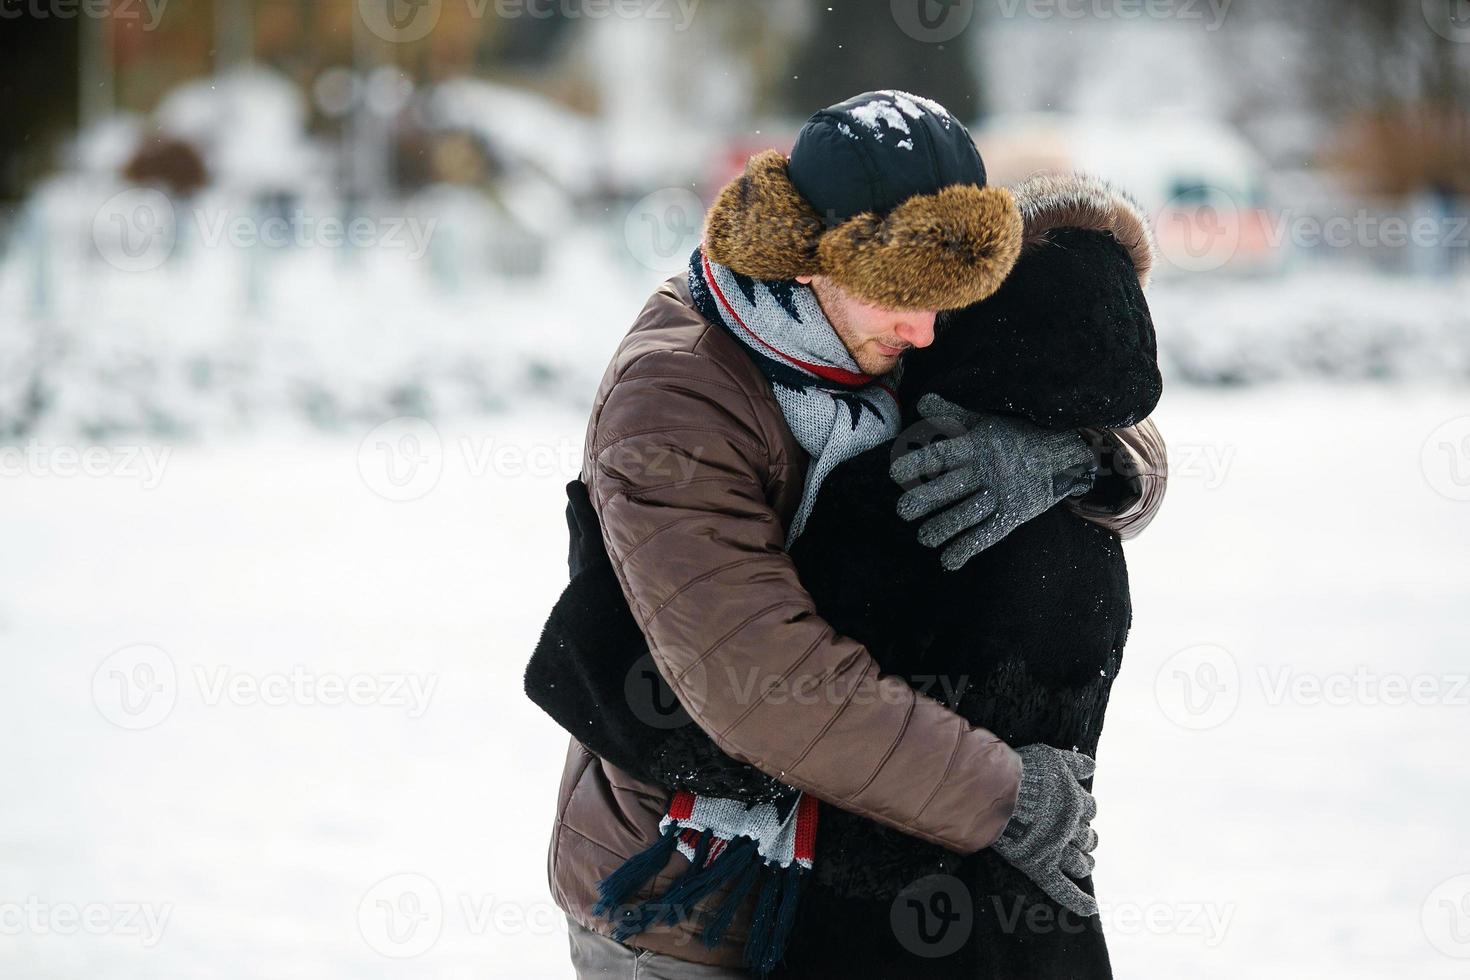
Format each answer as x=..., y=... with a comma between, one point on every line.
x=38, y=87
x=851, y=47
x=174, y=163
x=528, y=42
x=1395, y=76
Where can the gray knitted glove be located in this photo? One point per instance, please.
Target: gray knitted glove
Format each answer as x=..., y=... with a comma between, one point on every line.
x=1050, y=836
x=998, y=472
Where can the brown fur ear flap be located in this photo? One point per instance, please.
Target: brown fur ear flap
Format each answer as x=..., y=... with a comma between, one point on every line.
x=1050, y=201
x=761, y=226
x=937, y=251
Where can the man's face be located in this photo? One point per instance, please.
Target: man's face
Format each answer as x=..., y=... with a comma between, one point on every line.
x=875, y=337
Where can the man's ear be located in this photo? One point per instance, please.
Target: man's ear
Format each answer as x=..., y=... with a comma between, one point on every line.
x=804, y=280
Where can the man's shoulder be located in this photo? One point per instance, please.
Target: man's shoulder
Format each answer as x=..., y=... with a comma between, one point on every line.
x=673, y=370
x=671, y=337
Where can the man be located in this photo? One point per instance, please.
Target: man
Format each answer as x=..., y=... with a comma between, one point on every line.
x=713, y=426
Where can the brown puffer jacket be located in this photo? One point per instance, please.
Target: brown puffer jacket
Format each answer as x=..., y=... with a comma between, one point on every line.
x=694, y=475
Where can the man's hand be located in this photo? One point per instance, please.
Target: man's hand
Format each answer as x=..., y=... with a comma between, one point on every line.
x=1050, y=837
x=993, y=472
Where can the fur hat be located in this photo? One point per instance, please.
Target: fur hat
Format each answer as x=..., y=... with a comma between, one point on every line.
x=1052, y=201
x=885, y=193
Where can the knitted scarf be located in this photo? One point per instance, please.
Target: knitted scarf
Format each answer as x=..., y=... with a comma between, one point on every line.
x=835, y=412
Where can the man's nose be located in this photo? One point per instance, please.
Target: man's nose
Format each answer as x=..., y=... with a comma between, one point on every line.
x=917, y=328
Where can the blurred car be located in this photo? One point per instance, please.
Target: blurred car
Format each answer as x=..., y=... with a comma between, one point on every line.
x=1197, y=179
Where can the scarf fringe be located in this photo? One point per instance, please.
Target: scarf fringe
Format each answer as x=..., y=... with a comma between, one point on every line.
x=720, y=921
x=694, y=885
x=614, y=890
x=740, y=861
x=775, y=914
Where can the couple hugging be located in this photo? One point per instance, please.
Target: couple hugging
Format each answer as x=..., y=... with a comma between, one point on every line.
x=847, y=587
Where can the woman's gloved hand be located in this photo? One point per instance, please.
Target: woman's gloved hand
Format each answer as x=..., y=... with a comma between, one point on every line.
x=1050, y=837
x=993, y=472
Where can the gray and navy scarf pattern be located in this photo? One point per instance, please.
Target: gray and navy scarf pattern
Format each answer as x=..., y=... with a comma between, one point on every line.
x=832, y=408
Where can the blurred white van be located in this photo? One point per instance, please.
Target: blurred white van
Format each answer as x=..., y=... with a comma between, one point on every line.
x=1197, y=179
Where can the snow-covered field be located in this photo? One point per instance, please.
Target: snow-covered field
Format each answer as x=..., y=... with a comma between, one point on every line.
x=263, y=701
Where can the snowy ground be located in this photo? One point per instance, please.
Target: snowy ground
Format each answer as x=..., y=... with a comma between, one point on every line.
x=213, y=818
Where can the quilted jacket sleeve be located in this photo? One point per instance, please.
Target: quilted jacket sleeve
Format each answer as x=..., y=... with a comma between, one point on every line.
x=679, y=473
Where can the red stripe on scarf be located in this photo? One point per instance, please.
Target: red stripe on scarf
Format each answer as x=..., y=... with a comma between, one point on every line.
x=681, y=807
x=839, y=375
x=806, y=828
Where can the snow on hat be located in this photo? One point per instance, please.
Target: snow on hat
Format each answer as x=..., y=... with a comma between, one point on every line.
x=884, y=193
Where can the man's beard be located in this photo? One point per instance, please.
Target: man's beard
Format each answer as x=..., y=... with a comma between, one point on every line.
x=869, y=360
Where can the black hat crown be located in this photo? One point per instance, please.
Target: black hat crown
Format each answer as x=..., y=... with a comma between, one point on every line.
x=874, y=151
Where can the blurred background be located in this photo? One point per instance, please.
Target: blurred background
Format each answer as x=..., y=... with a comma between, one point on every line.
x=303, y=304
